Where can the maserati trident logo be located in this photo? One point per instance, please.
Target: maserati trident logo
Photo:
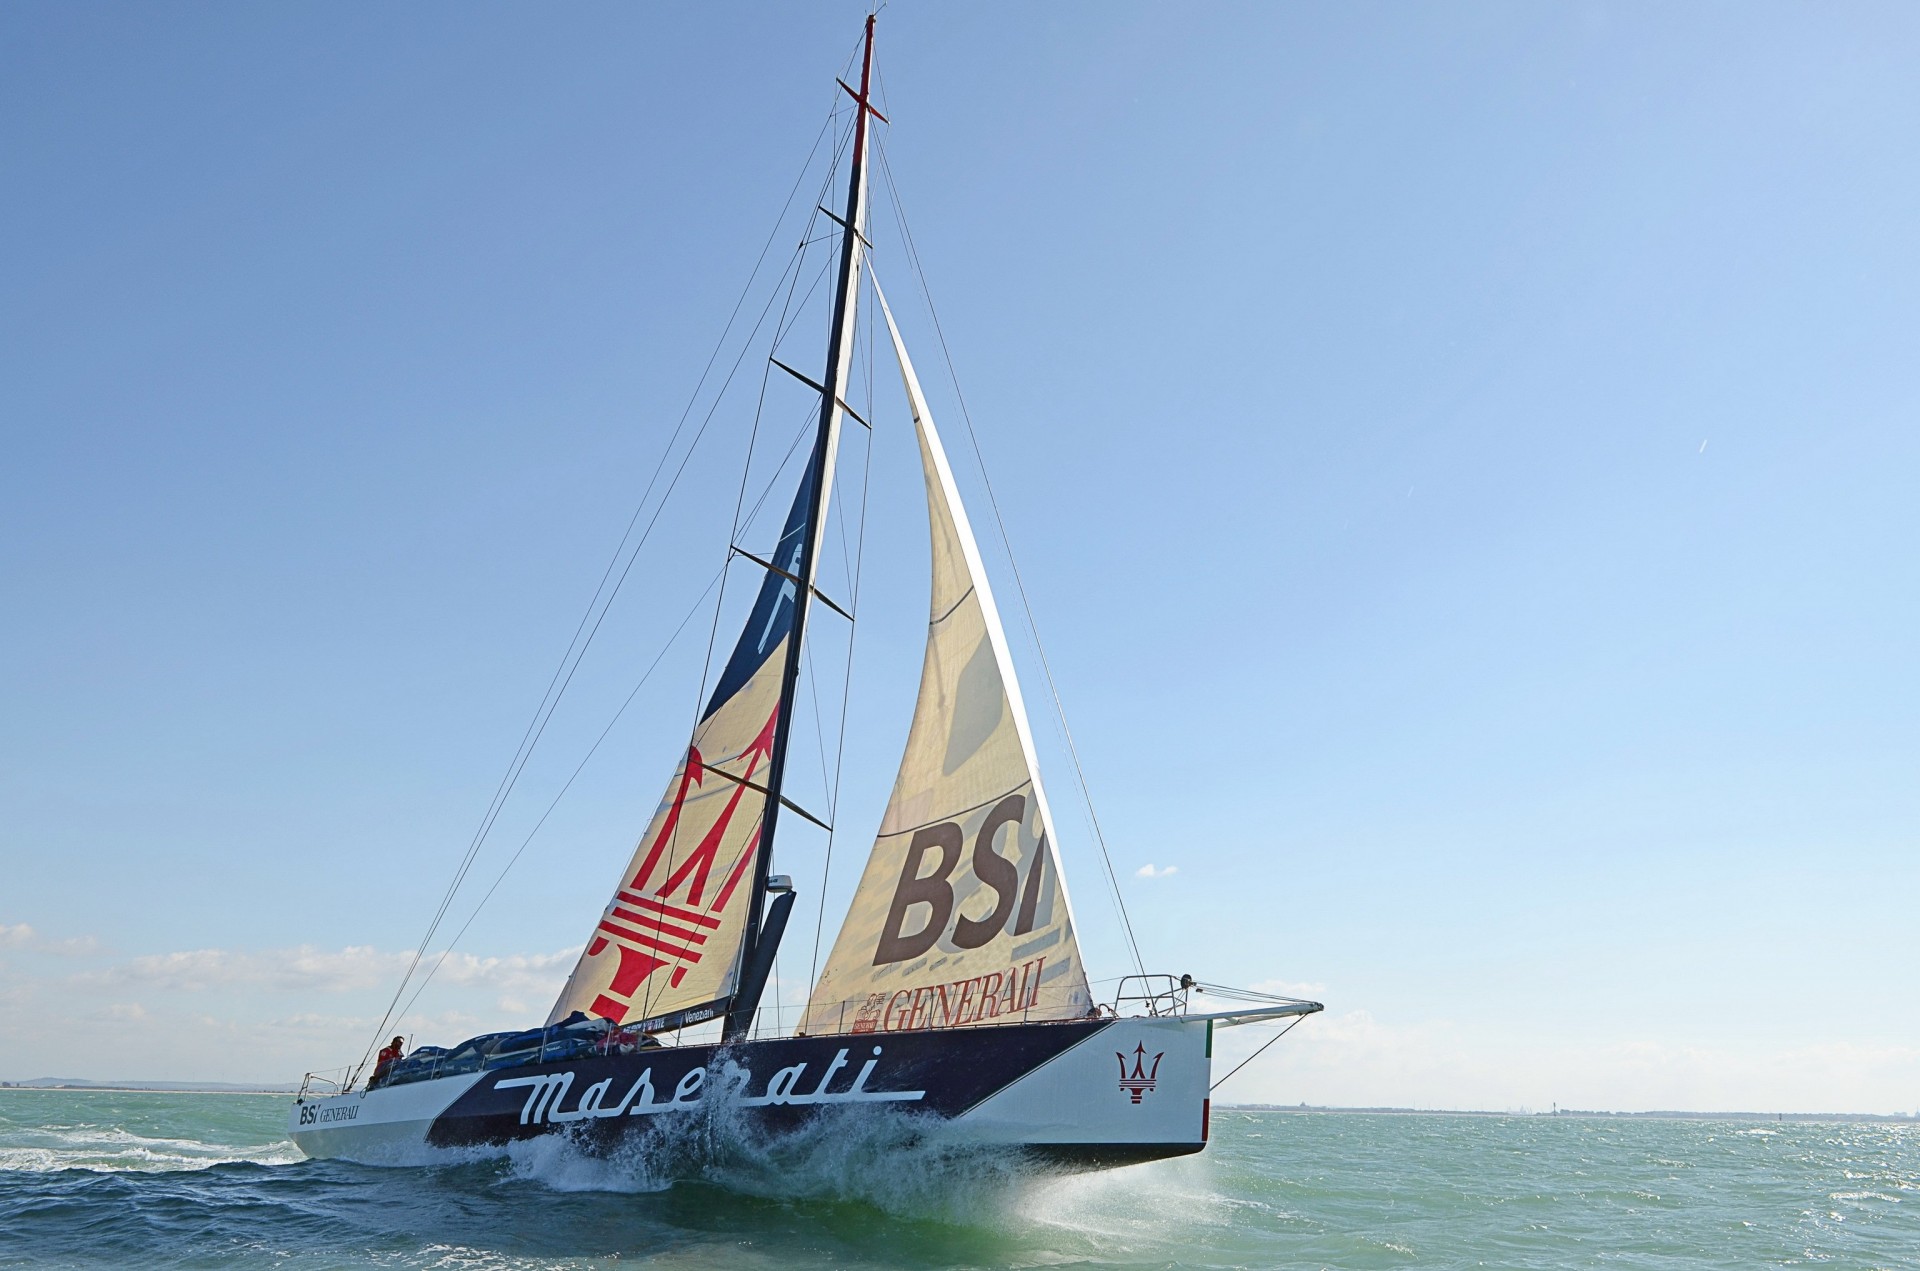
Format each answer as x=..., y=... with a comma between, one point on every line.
x=1142, y=1078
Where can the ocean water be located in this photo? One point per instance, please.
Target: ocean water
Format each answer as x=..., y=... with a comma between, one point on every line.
x=175, y=1180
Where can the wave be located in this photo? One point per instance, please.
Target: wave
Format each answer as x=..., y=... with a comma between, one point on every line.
x=112, y=1148
x=127, y=1132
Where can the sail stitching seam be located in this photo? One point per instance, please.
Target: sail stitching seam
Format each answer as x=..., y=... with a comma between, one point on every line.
x=951, y=609
x=955, y=816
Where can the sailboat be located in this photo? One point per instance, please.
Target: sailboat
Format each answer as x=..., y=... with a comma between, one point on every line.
x=954, y=995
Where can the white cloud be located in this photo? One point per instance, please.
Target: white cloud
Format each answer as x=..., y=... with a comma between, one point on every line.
x=306, y=969
x=303, y=969
x=252, y=1015
x=1148, y=871
x=517, y=972
x=22, y=936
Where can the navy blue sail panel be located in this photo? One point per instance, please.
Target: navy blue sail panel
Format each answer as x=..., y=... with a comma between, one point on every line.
x=772, y=616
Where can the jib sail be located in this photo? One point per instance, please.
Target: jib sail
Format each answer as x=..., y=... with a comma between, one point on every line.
x=961, y=916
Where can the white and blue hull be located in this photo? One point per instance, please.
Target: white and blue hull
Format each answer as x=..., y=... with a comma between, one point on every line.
x=1084, y=1094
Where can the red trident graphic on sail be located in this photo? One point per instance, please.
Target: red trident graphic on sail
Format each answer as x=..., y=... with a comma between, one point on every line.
x=647, y=930
x=1142, y=1078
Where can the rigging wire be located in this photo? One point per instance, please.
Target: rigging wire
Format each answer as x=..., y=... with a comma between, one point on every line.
x=913, y=256
x=1256, y=1054
x=830, y=785
x=846, y=678
x=698, y=605
x=552, y=705
x=576, y=647
x=819, y=723
x=788, y=314
x=819, y=277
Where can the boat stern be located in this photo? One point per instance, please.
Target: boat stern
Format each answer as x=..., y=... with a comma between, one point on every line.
x=1136, y=1090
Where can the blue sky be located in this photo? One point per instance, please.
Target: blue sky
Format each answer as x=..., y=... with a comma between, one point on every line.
x=1462, y=459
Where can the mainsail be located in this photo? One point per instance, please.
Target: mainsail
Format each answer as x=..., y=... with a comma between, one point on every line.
x=961, y=916
x=673, y=945
x=669, y=942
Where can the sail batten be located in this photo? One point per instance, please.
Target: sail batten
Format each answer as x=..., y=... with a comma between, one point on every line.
x=961, y=916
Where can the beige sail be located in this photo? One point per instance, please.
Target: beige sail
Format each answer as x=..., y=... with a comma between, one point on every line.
x=961, y=916
x=668, y=943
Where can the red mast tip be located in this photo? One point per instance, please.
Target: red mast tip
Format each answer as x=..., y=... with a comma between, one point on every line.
x=866, y=82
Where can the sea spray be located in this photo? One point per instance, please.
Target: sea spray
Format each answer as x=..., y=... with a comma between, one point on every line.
x=898, y=1161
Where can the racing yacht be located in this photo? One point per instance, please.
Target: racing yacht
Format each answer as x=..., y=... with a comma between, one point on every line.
x=954, y=994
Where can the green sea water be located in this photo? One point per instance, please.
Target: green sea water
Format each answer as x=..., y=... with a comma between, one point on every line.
x=175, y=1180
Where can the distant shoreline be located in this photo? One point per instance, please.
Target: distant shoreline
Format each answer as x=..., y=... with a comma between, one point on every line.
x=1892, y=1118
x=88, y=1087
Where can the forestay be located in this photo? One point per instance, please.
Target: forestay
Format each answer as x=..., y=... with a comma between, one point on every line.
x=961, y=916
x=667, y=948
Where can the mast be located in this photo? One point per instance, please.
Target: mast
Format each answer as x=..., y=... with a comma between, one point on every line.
x=756, y=958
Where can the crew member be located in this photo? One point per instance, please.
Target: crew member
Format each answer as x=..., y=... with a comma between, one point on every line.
x=389, y=1055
